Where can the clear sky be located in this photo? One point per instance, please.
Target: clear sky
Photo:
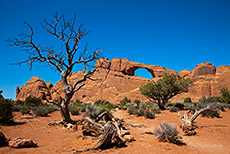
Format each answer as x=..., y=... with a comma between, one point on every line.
x=175, y=34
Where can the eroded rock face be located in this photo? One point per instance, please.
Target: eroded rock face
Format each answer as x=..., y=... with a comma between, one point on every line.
x=33, y=88
x=22, y=143
x=116, y=80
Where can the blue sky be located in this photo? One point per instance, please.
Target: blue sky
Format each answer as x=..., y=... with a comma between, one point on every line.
x=175, y=34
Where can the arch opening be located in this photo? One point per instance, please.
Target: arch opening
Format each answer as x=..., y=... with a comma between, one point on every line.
x=143, y=72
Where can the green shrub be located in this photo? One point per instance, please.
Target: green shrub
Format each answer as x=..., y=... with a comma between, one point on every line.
x=137, y=102
x=133, y=110
x=179, y=106
x=211, y=100
x=74, y=108
x=32, y=101
x=19, y=102
x=173, y=109
x=93, y=111
x=149, y=115
x=6, y=109
x=167, y=133
x=140, y=112
x=225, y=95
x=110, y=106
x=24, y=110
x=124, y=102
x=187, y=100
x=16, y=108
x=74, y=112
x=202, y=99
x=168, y=104
x=105, y=104
x=52, y=108
x=41, y=111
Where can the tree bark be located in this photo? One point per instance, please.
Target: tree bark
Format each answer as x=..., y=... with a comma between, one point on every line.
x=65, y=113
x=161, y=105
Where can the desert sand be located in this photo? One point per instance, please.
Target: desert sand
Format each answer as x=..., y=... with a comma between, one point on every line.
x=213, y=135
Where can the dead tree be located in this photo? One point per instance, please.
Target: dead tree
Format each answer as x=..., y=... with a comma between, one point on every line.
x=63, y=60
x=110, y=131
x=187, y=124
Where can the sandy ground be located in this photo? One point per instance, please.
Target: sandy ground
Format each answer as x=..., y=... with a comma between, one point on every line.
x=213, y=136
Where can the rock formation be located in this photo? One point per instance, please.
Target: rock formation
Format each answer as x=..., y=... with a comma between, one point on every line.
x=33, y=88
x=22, y=143
x=116, y=79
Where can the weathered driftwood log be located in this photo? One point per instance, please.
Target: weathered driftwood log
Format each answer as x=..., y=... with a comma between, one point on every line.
x=110, y=132
x=187, y=124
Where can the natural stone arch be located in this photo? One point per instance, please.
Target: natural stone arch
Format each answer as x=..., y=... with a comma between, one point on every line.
x=146, y=69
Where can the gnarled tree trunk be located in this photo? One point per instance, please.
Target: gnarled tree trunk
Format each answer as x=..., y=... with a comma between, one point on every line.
x=187, y=124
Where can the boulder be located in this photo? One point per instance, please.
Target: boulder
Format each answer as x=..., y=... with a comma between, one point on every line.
x=34, y=87
x=22, y=143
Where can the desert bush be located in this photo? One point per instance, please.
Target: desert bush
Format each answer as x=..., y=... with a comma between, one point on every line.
x=179, y=106
x=168, y=104
x=93, y=111
x=16, y=108
x=167, y=133
x=125, y=103
x=41, y=111
x=6, y=109
x=173, y=109
x=225, y=95
x=187, y=100
x=149, y=115
x=137, y=102
x=74, y=108
x=155, y=110
x=32, y=101
x=19, y=102
x=105, y=104
x=51, y=108
x=74, y=112
x=211, y=100
x=24, y=110
x=202, y=99
x=133, y=110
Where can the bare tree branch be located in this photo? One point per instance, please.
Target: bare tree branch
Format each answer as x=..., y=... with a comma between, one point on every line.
x=64, y=60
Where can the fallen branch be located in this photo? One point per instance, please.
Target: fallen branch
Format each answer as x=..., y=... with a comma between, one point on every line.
x=187, y=124
x=110, y=132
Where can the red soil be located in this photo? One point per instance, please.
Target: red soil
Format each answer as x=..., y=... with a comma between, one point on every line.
x=213, y=136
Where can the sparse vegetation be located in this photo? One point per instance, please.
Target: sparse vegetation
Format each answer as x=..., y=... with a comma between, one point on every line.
x=125, y=103
x=167, y=133
x=6, y=109
x=41, y=111
x=165, y=88
x=137, y=108
x=24, y=110
x=187, y=100
x=32, y=101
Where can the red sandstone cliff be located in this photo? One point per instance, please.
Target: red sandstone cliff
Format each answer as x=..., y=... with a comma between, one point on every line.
x=116, y=80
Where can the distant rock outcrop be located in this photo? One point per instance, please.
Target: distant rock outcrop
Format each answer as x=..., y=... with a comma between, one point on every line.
x=116, y=79
x=34, y=87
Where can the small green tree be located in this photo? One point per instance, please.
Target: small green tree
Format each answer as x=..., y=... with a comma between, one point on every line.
x=165, y=88
x=6, y=109
x=187, y=100
x=32, y=101
x=225, y=95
